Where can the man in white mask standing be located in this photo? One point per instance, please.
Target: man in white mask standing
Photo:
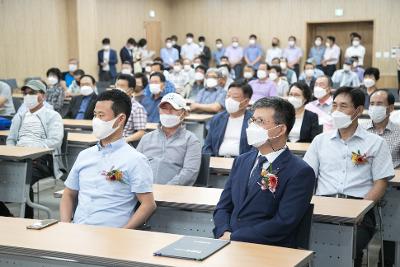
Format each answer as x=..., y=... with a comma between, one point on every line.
x=109, y=179
x=381, y=106
x=351, y=162
x=173, y=151
x=227, y=134
x=41, y=127
x=269, y=188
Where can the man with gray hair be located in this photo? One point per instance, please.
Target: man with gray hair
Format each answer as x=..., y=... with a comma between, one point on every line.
x=210, y=99
x=226, y=80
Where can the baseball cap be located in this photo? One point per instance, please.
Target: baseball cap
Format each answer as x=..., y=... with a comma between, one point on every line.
x=35, y=85
x=176, y=101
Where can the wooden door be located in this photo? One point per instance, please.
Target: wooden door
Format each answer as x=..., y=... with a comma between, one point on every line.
x=153, y=35
x=341, y=31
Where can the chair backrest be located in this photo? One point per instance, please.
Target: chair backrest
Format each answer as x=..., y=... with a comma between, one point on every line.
x=204, y=173
x=32, y=78
x=304, y=229
x=12, y=83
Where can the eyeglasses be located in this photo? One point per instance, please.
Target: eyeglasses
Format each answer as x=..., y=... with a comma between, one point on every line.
x=259, y=121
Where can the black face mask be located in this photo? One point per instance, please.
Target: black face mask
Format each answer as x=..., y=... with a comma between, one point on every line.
x=274, y=44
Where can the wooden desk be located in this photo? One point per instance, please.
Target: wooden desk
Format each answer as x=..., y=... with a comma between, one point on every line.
x=22, y=153
x=298, y=148
x=70, y=244
x=82, y=138
x=15, y=175
x=396, y=180
x=221, y=165
x=195, y=117
x=84, y=124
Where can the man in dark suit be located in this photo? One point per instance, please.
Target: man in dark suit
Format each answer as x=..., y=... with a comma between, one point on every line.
x=107, y=60
x=82, y=106
x=126, y=52
x=227, y=133
x=205, y=55
x=253, y=208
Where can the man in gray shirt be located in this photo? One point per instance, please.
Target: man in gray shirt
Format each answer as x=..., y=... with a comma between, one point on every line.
x=174, y=152
x=6, y=102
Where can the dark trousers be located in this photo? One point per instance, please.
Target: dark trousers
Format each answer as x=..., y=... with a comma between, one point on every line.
x=238, y=71
x=105, y=76
x=330, y=69
x=365, y=232
x=296, y=69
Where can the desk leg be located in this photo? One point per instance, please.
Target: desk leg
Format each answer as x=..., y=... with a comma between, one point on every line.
x=391, y=219
x=27, y=186
x=333, y=244
x=183, y=222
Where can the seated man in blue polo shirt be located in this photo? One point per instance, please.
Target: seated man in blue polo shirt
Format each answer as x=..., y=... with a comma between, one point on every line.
x=227, y=134
x=110, y=178
x=210, y=99
x=157, y=88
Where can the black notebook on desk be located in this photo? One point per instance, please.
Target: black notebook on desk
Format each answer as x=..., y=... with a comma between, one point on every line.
x=192, y=248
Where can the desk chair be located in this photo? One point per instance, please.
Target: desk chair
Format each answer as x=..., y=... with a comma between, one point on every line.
x=17, y=103
x=204, y=173
x=304, y=229
x=102, y=86
x=12, y=83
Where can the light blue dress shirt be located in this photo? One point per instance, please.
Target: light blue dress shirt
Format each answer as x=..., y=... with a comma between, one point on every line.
x=169, y=56
x=211, y=96
x=330, y=157
x=103, y=202
x=252, y=52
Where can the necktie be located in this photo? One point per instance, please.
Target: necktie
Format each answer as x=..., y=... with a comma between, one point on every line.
x=256, y=174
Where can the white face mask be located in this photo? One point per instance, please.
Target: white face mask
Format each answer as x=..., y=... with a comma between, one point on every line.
x=72, y=67
x=283, y=65
x=86, y=90
x=346, y=67
x=252, y=41
x=147, y=69
x=155, y=88
x=355, y=64
x=168, y=45
x=247, y=75
x=261, y=74
x=291, y=43
x=309, y=72
x=211, y=82
x=319, y=92
x=103, y=129
x=195, y=65
x=232, y=105
x=273, y=76
x=187, y=67
x=256, y=135
x=126, y=71
x=201, y=44
x=189, y=40
x=219, y=45
x=106, y=47
x=198, y=76
x=169, y=120
x=52, y=80
x=297, y=102
x=356, y=43
x=177, y=68
x=317, y=42
x=173, y=42
x=341, y=120
x=235, y=44
x=31, y=101
x=327, y=44
x=368, y=82
x=377, y=113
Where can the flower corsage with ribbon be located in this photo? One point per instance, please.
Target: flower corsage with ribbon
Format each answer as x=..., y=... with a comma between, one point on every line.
x=359, y=159
x=114, y=175
x=269, y=179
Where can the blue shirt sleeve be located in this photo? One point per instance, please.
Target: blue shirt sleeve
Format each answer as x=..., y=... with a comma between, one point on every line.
x=72, y=181
x=221, y=98
x=141, y=176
